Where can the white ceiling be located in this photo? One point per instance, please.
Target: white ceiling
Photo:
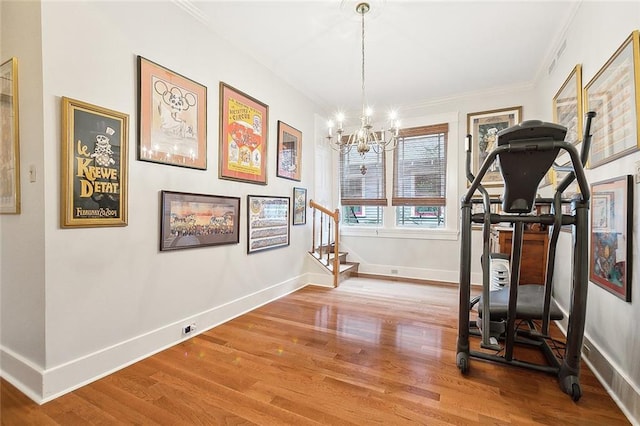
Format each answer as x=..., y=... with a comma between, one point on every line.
x=415, y=51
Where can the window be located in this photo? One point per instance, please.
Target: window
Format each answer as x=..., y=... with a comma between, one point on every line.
x=362, y=195
x=419, y=172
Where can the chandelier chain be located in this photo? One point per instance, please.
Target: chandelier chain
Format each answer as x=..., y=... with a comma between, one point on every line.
x=364, y=99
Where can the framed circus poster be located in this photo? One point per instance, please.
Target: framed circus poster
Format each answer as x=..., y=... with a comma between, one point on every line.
x=611, y=231
x=267, y=222
x=613, y=93
x=244, y=131
x=172, y=117
x=198, y=220
x=9, y=139
x=289, y=152
x=483, y=128
x=94, y=165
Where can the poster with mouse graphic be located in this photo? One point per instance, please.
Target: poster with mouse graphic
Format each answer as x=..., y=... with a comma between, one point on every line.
x=94, y=169
x=172, y=117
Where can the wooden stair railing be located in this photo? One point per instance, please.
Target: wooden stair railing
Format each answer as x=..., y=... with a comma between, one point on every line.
x=333, y=221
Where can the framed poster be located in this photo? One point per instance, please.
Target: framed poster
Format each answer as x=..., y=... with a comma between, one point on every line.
x=299, y=206
x=567, y=105
x=613, y=95
x=172, y=117
x=611, y=231
x=198, y=220
x=483, y=128
x=94, y=165
x=243, y=137
x=289, y=152
x=267, y=222
x=9, y=139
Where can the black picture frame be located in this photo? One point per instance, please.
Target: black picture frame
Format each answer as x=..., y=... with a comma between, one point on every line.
x=190, y=220
x=610, y=260
x=299, y=215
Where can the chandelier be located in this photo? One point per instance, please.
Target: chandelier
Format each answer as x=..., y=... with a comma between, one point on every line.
x=365, y=138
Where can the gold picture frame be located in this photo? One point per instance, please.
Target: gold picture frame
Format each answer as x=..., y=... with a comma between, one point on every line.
x=483, y=128
x=244, y=136
x=94, y=165
x=567, y=105
x=9, y=139
x=613, y=93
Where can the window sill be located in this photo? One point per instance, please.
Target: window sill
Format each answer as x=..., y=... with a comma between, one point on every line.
x=413, y=234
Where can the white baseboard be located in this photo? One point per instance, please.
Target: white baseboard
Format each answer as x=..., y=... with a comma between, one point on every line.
x=42, y=385
x=21, y=373
x=409, y=273
x=619, y=387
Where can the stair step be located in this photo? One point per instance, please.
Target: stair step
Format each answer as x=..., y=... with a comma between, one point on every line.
x=347, y=269
x=342, y=257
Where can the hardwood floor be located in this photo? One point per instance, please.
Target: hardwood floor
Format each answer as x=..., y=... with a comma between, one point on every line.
x=369, y=352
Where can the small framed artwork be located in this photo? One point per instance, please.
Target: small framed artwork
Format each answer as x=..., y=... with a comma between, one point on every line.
x=9, y=139
x=613, y=95
x=243, y=137
x=172, y=117
x=198, y=220
x=289, y=152
x=94, y=168
x=299, y=206
x=611, y=231
x=567, y=105
x=267, y=222
x=483, y=128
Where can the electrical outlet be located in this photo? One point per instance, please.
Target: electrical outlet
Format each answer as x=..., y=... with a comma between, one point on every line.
x=394, y=271
x=188, y=329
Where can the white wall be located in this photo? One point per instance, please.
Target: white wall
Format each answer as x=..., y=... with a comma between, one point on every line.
x=595, y=33
x=22, y=289
x=109, y=296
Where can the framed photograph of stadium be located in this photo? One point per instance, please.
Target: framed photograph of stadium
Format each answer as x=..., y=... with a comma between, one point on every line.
x=267, y=222
x=299, y=206
x=611, y=232
x=9, y=139
x=289, y=152
x=483, y=128
x=244, y=134
x=567, y=105
x=94, y=166
x=197, y=220
x=613, y=94
x=172, y=117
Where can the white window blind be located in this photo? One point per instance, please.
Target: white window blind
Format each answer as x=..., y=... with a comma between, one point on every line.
x=357, y=189
x=419, y=168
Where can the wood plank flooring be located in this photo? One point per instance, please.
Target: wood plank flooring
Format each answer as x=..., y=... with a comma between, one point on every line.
x=370, y=352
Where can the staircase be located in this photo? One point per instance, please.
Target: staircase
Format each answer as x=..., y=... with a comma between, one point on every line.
x=325, y=243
